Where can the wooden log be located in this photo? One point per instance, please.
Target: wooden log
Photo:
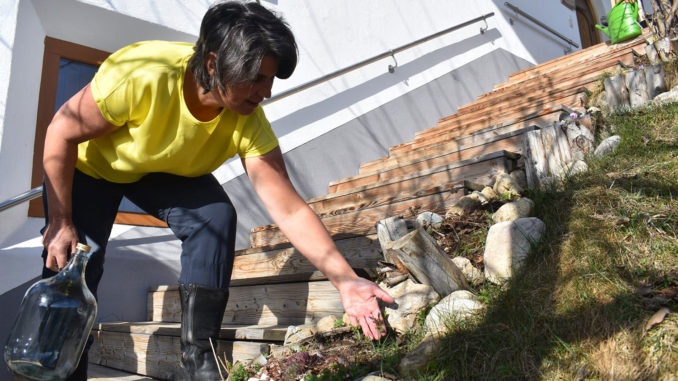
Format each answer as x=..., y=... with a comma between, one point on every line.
x=616, y=92
x=663, y=47
x=428, y=263
x=655, y=79
x=535, y=159
x=388, y=230
x=637, y=86
x=652, y=54
x=580, y=140
x=554, y=161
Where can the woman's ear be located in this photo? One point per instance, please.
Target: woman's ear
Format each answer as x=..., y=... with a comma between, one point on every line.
x=210, y=63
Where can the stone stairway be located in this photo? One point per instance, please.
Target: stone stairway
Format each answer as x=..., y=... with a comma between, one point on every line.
x=273, y=286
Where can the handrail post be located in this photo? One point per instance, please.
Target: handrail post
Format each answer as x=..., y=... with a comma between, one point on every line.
x=541, y=24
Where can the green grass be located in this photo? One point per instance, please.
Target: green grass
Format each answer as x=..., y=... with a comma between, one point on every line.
x=576, y=306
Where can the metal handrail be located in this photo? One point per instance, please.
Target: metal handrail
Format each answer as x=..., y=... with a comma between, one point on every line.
x=26, y=196
x=385, y=54
x=541, y=24
x=36, y=192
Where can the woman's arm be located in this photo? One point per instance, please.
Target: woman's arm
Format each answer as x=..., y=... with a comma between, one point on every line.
x=78, y=120
x=307, y=233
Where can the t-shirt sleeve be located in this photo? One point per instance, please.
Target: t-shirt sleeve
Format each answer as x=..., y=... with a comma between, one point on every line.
x=111, y=88
x=258, y=137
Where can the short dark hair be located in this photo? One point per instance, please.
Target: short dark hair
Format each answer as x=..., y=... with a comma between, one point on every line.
x=241, y=35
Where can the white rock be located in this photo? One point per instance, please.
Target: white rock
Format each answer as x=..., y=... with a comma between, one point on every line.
x=326, y=324
x=473, y=274
x=666, y=98
x=520, y=178
x=479, y=197
x=295, y=334
x=260, y=360
x=429, y=219
x=410, y=298
x=463, y=206
x=512, y=211
x=457, y=305
x=372, y=377
x=507, y=245
x=608, y=146
x=420, y=356
x=506, y=185
x=577, y=167
x=488, y=192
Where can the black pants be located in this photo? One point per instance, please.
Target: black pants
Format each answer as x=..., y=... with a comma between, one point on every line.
x=196, y=209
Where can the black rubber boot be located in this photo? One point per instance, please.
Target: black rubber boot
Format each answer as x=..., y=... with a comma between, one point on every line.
x=202, y=310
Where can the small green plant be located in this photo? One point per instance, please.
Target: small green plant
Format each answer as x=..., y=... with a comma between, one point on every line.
x=239, y=373
x=338, y=323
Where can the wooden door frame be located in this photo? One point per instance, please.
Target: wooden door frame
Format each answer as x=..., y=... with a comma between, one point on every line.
x=55, y=50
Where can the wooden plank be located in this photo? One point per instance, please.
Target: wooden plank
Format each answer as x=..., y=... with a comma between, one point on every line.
x=158, y=356
x=582, y=67
x=268, y=333
x=287, y=264
x=585, y=55
x=276, y=304
x=362, y=222
x=338, y=203
x=432, y=158
x=562, y=79
x=101, y=373
x=556, y=91
x=519, y=108
x=456, y=122
x=560, y=92
x=404, y=184
x=473, y=139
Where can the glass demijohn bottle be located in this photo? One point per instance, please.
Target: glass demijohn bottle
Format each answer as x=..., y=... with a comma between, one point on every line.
x=54, y=320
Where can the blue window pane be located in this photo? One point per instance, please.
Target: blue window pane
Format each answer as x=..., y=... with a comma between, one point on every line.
x=73, y=76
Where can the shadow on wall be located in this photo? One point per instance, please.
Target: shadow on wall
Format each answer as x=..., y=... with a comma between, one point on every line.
x=541, y=44
x=347, y=98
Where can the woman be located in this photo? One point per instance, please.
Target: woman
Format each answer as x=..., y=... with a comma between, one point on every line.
x=156, y=120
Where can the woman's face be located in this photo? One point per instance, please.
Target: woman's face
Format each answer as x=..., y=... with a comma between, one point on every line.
x=244, y=98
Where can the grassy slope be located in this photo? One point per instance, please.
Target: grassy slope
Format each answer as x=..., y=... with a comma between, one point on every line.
x=608, y=262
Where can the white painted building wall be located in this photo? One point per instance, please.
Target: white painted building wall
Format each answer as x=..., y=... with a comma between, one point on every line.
x=331, y=35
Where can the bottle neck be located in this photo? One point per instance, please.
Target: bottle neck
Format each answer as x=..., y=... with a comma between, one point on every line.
x=77, y=263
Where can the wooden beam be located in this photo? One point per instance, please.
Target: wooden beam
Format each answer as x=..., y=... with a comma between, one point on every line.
x=272, y=304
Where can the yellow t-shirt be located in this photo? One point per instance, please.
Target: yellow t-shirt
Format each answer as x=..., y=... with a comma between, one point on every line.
x=140, y=88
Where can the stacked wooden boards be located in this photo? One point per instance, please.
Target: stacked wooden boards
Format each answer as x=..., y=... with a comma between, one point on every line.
x=273, y=286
